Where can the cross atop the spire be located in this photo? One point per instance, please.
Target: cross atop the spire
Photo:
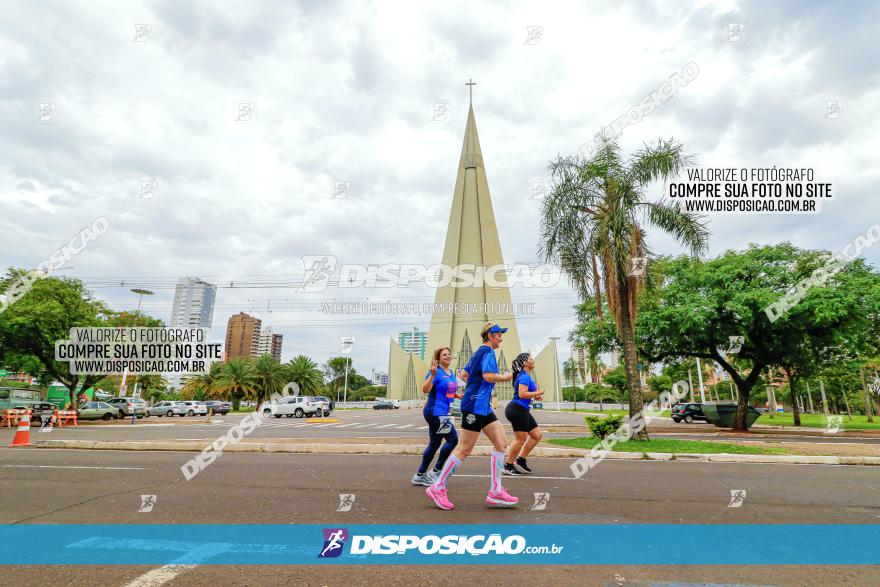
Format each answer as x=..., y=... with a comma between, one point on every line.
x=471, y=83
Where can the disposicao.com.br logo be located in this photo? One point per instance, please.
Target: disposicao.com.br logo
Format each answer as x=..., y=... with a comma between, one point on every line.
x=451, y=544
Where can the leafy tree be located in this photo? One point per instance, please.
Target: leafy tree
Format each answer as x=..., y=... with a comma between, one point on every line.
x=334, y=372
x=593, y=222
x=30, y=326
x=702, y=304
x=616, y=378
x=574, y=394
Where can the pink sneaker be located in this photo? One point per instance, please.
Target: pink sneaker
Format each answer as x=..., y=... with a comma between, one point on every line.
x=438, y=494
x=501, y=498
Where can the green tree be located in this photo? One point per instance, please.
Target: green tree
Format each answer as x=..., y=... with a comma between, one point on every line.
x=270, y=376
x=616, y=378
x=203, y=384
x=574, y=394
x=306, y=374
x=702, y=304
x=30, y=326
x=594, y=220
x=334, y=372
x=237, y=381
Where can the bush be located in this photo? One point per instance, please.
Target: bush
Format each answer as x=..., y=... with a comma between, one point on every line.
x=602, y=427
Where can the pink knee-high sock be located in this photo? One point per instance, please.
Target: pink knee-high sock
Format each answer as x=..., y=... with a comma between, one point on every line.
x=496, y=462
x=449, y=468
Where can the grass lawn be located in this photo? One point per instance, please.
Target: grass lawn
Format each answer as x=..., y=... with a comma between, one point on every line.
x=670, y=445
x=818, y=421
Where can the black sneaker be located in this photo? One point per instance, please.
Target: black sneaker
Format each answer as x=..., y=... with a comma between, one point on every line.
x=521, y=463
x=511, y=470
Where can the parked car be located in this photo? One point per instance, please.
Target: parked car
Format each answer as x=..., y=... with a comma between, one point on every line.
x=329, y=401
x=218, y=407
x=97, y=411
x=167, y=408
x=39, y=410
x=291, y=406
x=324, y=405
x=688, y=413
x=386, y=404
x=194, y=408
x=126, y=406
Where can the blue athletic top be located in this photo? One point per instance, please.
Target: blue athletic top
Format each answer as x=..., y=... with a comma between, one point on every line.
x=444, y=384
x=478, y=393
x=524, y=379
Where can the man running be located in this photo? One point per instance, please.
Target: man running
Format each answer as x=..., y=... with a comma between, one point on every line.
x=518, y=413
x=481, y=375
x=441, y=386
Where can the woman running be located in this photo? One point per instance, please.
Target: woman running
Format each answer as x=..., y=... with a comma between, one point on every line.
x=518, y=412
x=481, y=375
x=441, y=387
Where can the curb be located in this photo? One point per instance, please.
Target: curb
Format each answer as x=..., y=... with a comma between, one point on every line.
x=417, y=449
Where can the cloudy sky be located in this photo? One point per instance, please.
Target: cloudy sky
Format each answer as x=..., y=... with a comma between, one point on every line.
x=345, y=92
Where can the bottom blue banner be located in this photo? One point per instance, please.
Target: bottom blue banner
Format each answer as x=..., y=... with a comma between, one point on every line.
x=649, y=544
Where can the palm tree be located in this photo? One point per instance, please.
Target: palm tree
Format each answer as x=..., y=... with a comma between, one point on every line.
x=593, y=223
x=236, y=381
x=305, y=373
x=202, y=386
x=270, y=378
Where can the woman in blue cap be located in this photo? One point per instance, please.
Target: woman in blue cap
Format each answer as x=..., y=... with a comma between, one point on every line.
x=481, y=375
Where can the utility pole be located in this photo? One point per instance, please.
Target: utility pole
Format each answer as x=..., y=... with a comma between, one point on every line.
x=347, y=346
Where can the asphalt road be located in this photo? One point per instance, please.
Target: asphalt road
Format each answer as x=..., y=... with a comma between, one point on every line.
x=71, y=486
x=364, y=424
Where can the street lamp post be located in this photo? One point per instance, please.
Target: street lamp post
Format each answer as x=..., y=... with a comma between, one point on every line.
x=347, y=346
x=141, y=293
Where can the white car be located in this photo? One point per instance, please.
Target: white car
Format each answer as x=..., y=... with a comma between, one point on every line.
x=167, y=408
x=195, y=408
x=291, y=406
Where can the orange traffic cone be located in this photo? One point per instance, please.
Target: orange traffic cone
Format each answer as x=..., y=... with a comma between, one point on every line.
x=23, y=433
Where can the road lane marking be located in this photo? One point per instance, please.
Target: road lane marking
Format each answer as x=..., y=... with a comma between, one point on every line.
x=159, y=576
x=405, y=426
x=386, y=426
x=72, y=467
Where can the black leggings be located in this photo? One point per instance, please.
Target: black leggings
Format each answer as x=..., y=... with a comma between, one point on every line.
x=438, y=430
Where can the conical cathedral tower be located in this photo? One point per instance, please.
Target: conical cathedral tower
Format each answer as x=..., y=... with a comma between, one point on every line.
x=471, y=240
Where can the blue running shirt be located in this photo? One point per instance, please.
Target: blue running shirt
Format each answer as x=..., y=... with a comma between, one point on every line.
x=524, y=379
x=478, y=393
x=445, y=384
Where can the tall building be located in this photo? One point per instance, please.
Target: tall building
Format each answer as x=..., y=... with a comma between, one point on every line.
x=413, y=342
x=242, y=336
x=193, y=307
x=471, y=238
x=270, y=343
x=193, y=303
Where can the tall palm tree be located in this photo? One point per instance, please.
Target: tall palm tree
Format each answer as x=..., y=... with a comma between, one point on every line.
x=203, y=385
x=593, y=222
x=305, y=373
x=237, y=381
x=270, y=378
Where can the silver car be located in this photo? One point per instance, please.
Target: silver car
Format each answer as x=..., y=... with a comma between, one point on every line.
x=167, y=408
x=129, y=405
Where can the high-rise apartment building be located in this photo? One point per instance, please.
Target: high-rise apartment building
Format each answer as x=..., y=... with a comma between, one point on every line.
x=242, y=336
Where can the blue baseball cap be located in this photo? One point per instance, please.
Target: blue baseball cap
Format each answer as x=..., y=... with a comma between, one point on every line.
x=495, y=328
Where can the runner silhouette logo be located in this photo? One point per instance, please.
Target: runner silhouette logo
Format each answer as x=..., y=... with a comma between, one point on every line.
x=334, y=542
